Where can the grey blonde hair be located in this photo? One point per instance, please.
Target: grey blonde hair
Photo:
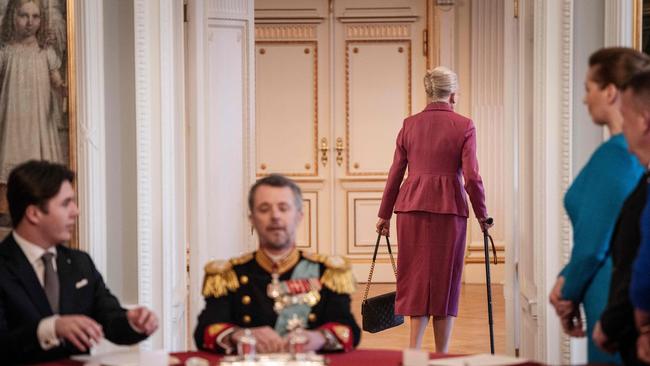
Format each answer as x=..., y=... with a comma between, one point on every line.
x=440, y=83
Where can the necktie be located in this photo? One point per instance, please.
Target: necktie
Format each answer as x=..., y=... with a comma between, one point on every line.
x=51, y=282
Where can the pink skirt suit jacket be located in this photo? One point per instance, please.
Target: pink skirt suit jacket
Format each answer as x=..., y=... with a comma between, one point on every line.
x=439, y=148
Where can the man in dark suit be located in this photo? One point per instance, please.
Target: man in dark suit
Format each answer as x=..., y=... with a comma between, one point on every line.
x=53, y=301
x=616, y=331
x=636, y=112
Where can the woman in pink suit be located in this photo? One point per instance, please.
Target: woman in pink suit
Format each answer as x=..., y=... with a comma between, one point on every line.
x=437, y=145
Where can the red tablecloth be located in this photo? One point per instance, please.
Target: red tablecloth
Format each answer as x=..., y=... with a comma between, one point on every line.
x=359, y=357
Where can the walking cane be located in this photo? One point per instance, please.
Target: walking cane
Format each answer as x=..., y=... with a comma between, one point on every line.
x=486, y=238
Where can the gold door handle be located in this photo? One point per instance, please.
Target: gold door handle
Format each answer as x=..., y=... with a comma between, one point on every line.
x=323, y=151
x=339, y=151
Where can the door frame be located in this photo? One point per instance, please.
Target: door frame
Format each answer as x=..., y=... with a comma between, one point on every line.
x=552, y=173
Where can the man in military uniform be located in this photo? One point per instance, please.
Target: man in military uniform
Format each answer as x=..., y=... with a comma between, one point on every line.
x=278, y=288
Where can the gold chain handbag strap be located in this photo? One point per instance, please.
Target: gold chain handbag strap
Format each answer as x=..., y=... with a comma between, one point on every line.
x=372, y=265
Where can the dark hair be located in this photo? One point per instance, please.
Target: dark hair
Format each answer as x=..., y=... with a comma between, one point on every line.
x=639, y=84
x=615, y=65
x=9, y=30
x=34, y=183
x=275, y=180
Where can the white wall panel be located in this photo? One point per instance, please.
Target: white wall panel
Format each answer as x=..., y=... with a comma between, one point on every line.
x=378, y=86
x=226, y=48
x=362, y=207
x=228, y=9
x=121, y=230
x=286, y=96
x=307, y=232
x=221, y=119
x=159, y=48
x=487, y=112
x=91, y=120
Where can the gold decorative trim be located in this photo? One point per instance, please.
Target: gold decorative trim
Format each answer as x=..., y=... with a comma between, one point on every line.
x=284, y=32
x=347, y=222
x=637, y=24
x=307, y=202
x=356, y=230
x=283, y=266
x=299, y=179
x=480, y=249
x=407, y=43
x=72, y=102
x=369, y=31
x=481, y=260
x=369, y=260
x=363, y=179
x=499, y=248
x=433, y=58
x=313, y=44
x=313, y=244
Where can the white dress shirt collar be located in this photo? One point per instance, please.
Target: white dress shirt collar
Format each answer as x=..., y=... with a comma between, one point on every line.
x=32, y=251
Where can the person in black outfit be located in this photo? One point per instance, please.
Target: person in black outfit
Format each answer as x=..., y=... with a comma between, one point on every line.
x=616, y=329
x=278, y=288
x=53, y=301
x=636, y=112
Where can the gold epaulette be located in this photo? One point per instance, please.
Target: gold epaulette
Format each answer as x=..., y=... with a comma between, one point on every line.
x=220, y=277
x=243, y=259
x=314, y=257
x=338, y=275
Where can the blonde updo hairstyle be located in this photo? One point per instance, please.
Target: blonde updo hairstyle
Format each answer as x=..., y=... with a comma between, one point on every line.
x=440, y=83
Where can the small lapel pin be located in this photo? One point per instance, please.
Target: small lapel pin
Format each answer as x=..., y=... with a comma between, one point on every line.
x=81, y=283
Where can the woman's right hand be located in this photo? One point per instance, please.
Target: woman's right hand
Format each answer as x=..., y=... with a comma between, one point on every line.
x=562, y=306
x=383, y=227
x=484, y=224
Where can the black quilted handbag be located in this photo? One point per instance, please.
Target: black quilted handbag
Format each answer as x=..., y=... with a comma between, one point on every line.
x=378, y=312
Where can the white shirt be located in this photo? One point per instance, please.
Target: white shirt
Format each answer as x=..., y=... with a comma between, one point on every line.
x=45, y=332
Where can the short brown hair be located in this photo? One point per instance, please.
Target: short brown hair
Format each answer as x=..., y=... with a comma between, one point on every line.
x=616, y=65
x=34, y=183
x=275, y=180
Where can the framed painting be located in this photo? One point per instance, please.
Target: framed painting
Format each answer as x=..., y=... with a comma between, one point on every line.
x=641, y=24
x=37, y=87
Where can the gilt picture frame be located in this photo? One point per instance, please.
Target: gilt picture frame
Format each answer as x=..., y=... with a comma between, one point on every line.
x=37, y=88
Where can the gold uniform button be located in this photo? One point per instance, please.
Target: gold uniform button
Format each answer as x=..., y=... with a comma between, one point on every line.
x=246, y=300
x=312, y=317
x=246, y=319
x=243, y=279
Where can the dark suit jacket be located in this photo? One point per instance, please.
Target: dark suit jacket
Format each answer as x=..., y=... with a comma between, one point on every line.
x=23, y=304
x=617, y=320
x=229, y=309
x=438, y=146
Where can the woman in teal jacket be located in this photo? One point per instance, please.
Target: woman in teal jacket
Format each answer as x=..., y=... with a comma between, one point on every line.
x=595, y=198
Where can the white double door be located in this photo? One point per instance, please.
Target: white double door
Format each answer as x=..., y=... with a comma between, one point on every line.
x=334, y=81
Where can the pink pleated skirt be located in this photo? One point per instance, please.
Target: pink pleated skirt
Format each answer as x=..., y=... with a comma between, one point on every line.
x=430, y=263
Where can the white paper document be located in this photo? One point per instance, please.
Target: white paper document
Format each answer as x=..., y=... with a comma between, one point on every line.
x=477, y=360
x=130, y=358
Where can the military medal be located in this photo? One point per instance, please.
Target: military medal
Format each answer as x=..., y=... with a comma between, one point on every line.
x=293, y=292
x=294, y=323
x=273, y=289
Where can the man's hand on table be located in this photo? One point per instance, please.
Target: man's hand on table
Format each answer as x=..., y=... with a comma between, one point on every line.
x=80, y=330
x=143, y=320
x=315, y=340
x=269, y=341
